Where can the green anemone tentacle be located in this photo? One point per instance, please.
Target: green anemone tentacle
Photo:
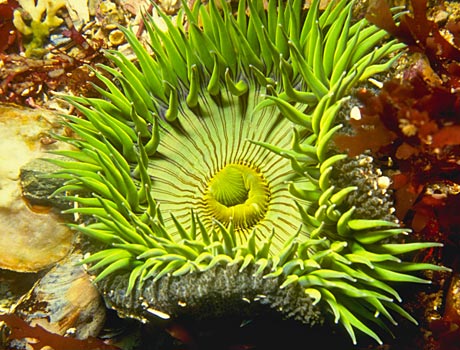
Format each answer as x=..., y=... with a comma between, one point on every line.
x=214, y=149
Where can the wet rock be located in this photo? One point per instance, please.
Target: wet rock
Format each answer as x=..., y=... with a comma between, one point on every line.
x=64, y=301
x=30, y=240
x=13, y=285
x=37, y=187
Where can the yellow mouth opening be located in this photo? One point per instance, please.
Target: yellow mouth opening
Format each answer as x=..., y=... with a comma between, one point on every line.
x=237, y=193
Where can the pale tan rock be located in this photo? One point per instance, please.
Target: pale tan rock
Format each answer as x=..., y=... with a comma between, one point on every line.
x=78, y=10
x=29, y=240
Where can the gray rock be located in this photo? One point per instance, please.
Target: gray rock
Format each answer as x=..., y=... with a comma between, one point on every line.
x=37, y=185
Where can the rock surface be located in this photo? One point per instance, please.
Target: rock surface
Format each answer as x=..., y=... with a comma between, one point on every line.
x=31, y=237
x=64, y=301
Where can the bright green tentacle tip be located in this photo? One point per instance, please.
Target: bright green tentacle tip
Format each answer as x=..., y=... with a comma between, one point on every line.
x=214, y=149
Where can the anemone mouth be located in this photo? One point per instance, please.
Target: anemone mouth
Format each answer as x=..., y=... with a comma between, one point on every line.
x=237, y=194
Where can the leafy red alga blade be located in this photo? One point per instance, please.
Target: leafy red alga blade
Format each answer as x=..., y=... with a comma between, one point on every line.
x=20, y=329
x=7, y=29
x=420, y=34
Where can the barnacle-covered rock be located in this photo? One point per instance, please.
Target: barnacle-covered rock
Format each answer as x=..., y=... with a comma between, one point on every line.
x=211, y=161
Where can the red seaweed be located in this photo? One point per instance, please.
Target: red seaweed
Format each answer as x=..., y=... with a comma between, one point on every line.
x=412, y=126
x=421, y=35
x=7, y=29
x=414, y=123
x=20, y=329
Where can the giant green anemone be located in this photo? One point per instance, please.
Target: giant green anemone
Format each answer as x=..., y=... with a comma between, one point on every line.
x=204, y=171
